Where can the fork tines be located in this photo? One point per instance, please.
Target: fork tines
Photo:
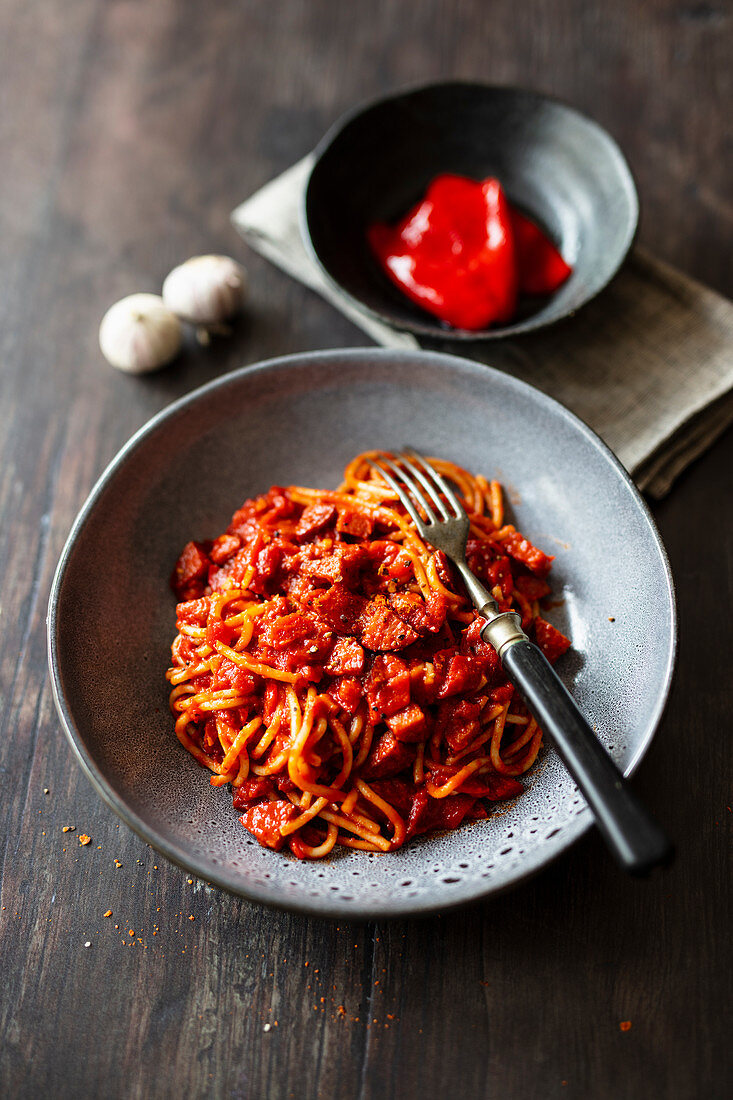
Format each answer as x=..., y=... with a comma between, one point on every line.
x=404, y=474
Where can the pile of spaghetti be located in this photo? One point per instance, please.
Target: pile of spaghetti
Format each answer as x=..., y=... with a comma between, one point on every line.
x=329, y=666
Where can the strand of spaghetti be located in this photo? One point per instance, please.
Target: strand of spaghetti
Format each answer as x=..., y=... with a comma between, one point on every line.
x=475, y=528
x=181, y=728
x=353, y=827
x=518, y=744
x=299, y=732
x=238, y=593
x=219, y=600
x=389, y=811
x=320, y=791
x=496, y=503
x=203, y=649
x=178, y=692
x=361, y=819
x=465, y=617
x=360, y=463
x=240, y=741
x=488, y=717
x=355, y=727
x=196, y=632
x=533, y=749
x=317, y=731
x=248, y=625
x=452, y=784
x=273, y=764
x=225, y=731
x=260, y=669
x=248, y=577
x=366, y=744
x=504, y=532
x=187, y=672
x=234, y=617
x=304, y=818
x=524, y=605
x=268, y=736
x=370, y=492
x=475, y=745
x=361, y=845
x=232, y=765
x=224, y=778
x=296, y=715
x=219, y=701
x=498, y=764
x=192, y=701
x=320, y=850
x=477, y=497
x=437, y=585
x=435, y=746
x=271, y=767
x=235, y=608
x=406, y=528
x=296, y=764
x=498, y=595
x=243, y=771
x=350, y=801
x=463, y=481
x=484, y=489
x=358, y=473
x=485, y=525
x=346, y=749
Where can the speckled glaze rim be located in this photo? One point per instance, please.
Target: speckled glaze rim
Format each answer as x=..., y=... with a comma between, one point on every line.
x=428, y=331
x=268, y=896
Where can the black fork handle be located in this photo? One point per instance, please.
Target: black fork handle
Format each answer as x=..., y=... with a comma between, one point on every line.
x=633, y=836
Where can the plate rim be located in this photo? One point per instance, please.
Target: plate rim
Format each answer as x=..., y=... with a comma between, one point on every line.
x=267, y=895
x=533, y=323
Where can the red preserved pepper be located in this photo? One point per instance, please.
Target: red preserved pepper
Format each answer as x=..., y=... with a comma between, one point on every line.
x=464, y=254
x=453, y=253
x=541, y=267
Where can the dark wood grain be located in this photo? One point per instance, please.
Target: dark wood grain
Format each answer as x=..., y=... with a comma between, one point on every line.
x=128, y=132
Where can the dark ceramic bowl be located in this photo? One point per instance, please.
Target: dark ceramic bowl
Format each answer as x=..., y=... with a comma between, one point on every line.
x=300, y=419
x=555, y=164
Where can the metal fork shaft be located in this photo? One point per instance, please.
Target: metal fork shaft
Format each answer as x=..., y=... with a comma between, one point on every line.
x=631, y=833
x=502, y=627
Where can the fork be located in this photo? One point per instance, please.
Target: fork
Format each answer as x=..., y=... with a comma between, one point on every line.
x=633, y=836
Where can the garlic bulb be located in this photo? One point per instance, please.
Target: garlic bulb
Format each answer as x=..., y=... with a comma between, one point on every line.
x=139, y=334
x=206, y=290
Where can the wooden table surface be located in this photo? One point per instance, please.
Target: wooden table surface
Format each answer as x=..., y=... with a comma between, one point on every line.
x=128, y=132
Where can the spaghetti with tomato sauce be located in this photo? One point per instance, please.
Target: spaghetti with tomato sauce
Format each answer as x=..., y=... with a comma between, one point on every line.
x=330, y=667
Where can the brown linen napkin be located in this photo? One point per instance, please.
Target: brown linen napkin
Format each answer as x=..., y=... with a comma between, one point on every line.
x=648, y=364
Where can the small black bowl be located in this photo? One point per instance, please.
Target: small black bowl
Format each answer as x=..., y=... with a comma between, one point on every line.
x=558, y=166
